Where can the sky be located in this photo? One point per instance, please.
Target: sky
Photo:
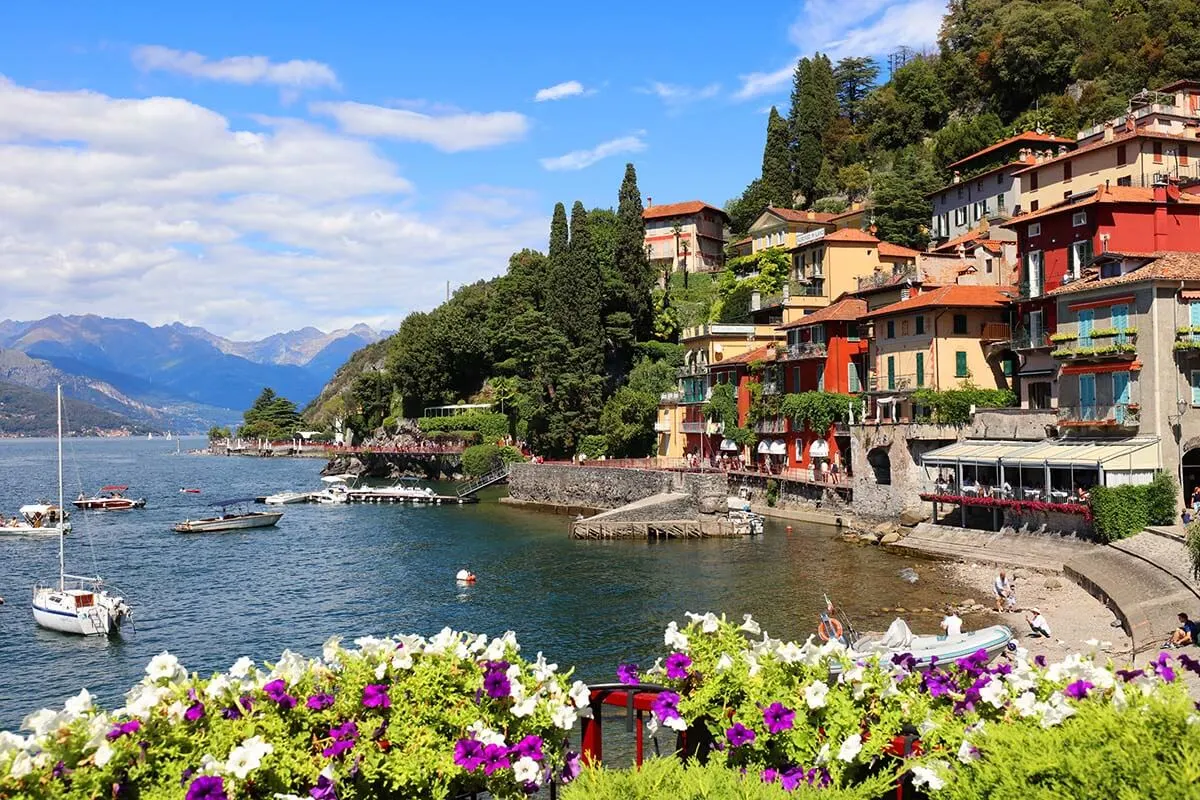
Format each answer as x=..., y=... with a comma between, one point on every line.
x=259, y=167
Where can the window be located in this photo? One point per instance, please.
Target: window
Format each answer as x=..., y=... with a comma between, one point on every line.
x=1079, y=256
x=891, y=373
x=1119, y=319
x=1121, y=161
x=920, y=324
x=1183, y=155
x=920, y=369
x=1127, y=180
x=821, y=377
x=1087, y=396
x=987, y=263
x=960, y=365
x=1000, y=204
x=1006, y=364
x=1036, y=330
x=904, y=327
x=1066, y=170
x=1034, y=273
x=946, y=222
x=1079, y=218
x=1158, y=152
x=999, y=178
x=960, y=215
x=960, y=324
x=1194, y=314
x=891, y=329
x=852, y=331
x=1033, y=181
x=1034, y=230
x=1033, y=206
x=1039, y=395
x=853, y=382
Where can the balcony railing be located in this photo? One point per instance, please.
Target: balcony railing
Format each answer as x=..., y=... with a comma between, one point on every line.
x=670, y=398
x=693, y=427
x=807, y=350
x=771, y=387
x=1027, y=340
x=694, y=397
x=893, y=383
x=1100, y=415
x=662, y=427
x=773, y=425
x=996, y=332
x=814, y=288
x=1097, y=348
x=692, y=370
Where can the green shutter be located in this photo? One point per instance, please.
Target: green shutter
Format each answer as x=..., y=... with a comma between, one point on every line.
x=1087, y=253
x=891, y=373
x=852, y=378
x=920, y=368
x=920, y=324
x=960, y=364
x=1024, y=287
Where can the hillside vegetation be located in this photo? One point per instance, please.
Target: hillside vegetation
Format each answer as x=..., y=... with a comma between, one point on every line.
x=28, y=412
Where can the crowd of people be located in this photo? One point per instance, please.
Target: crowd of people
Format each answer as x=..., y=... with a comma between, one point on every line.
x=822, y=470
x=945, y=484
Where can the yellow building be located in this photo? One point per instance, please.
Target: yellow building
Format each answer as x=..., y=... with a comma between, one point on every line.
x=935, y=340
x=826, y=265
x=786, y=227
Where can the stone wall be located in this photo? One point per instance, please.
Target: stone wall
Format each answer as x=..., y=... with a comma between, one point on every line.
x=606, y=487
x=1011, y=423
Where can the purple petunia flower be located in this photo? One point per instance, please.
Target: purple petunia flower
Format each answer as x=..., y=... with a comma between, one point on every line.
x=124, y=729
x=194, y=712
x=1040, y=661
x=1162, y=667
x=277, y=691
x=468, y=754
x=344, y=737
x=375, y=695
x=739, y=735
x=60, y=769
x=1078, y=689
x=319, y=701
x=905, y=660
x=677, y=666
x=497, y=685
x=207, y=787
x=769, y=775
x=495, y=757
x=529, y=747
x=572, y=767
x=323, y=790
x=778, y=718
x=628, y=674
x=665, y=706
x=790, y=780
x=1129, y=674
x=338, y=749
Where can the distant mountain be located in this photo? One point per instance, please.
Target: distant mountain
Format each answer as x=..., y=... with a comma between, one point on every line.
x=28, y=412
x=172, y=376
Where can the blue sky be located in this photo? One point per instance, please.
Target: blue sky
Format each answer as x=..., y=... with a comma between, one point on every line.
x=255, y=167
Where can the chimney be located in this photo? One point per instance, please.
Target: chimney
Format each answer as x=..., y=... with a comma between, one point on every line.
x=811, y=215
x=787, y=291
x=649, y=201
x=1039, y=157
x=957, y=176
x=1108, y=131
x=1131, y=122
x=1062, y=149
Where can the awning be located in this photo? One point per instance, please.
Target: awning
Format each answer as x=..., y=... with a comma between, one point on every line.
x=764, y=447
x=1119, y=455
x=1037, y=373
x=778, y=447
x=729, y=444
x=973, y=452
x=818, y=449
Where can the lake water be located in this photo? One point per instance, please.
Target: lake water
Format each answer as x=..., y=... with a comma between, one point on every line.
x=360, y=569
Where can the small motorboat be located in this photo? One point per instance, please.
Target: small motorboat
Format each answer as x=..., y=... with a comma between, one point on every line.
x=183, y=490
x=237, y=521
x=924, y=649
x=109, y=498
x=37, y=519
x=286, y=498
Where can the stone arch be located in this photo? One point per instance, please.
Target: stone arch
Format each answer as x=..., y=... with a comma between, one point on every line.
x=1190, y=464
x=881, y=465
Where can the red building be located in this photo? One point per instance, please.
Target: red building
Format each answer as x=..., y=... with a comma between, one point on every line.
x=737, y=370
x=825, y=353
x=1057, y=243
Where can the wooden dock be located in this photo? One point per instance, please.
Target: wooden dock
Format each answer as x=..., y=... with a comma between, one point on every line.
x=367, y=496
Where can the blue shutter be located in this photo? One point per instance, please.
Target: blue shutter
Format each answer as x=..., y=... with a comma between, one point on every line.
x=1086, y=318
x=1196, y=387
x=852, y=378
x=1120, y=321
x=1087, y=396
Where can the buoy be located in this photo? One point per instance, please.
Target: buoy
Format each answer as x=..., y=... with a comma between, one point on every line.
x=829, y=629
x=465, y=576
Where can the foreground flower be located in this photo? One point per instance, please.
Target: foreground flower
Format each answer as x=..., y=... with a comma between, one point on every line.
x=468, y=754
x=628, y=674
x=277, y=691
x=677, y=666
x=739, y=735
x=778, y=718
x=495, y=757
x=124, y=729
x=207, y=787
x=529, y=747
x=928, y=776
x=1078, y=690
x=375, y=695
x=324, y=789
x=572, y=767
x=497, y=685
x=165, y=666
x=248, y=756
x=319, y=701
x=815, y=693
x=850, y=748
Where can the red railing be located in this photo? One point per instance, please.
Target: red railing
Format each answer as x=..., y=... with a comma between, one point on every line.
x=688, y=465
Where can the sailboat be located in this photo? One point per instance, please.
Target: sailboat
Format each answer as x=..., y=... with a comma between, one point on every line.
x=77, y=604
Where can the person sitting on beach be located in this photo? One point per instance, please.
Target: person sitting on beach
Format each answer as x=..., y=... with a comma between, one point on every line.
x=1187, y=633
x=1037, y=623
x=951, y=623
x=1000, y=589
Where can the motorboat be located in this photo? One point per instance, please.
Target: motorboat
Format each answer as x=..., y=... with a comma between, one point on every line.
x=37, y=519
x=109, y=498
x=746, y=523
x=927, y=650
x=397, y=491
x=237, y=521
x=331, y=495
x=286, y=498
x=76, y=604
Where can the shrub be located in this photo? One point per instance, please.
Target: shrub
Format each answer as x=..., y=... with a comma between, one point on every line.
x=661, y=778
x=953, y=407
x=491, y=425
x=1193, y=548
x=480, y=459
x=1161, y=497
x=772, y=492
x=1122, y=511
x=593, y=445
x=817, y=410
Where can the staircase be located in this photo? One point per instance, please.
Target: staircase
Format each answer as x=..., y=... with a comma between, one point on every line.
x=500, y=473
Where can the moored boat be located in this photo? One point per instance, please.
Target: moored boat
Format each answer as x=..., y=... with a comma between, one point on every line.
x=926, y=650
x=240, y=520
x=37, y=519
x=286, y=498
x=109, y=498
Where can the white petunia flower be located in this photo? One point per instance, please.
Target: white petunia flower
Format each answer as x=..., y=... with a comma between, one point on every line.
x=526, y=770
x=291, y=667
x=242, y=668
x=928, y=775
x=1055, y=710
x=789, y=653
x=563, y=717
x=967, y=752
x=442, y=642
x=42, y=721
x=852, y=675
x=371, y=646
x=142, y=700
x=823, y=755
x=332, y=650
x=483, y=734
x=210, y=765
x=523, y=708
x=21, y=765
x=176, y=710
x=580, y=694
x=11, y=743
x=890, y=690
x=220, y=686
x=103, y=755
x=477, y=644
x=709, y=623
x=402, y=659
x=1026, y=704
x=724, y=662
x=248, y=756
x=850, y=748
x=1119, y=701
x=165, y=666
x=750, y=626
x=993, y=693
x=542, y=671
x=78, y=705
x=926, y=726
x=814, y=694
x=675, y=724
x=674, y=639
x=752, y=661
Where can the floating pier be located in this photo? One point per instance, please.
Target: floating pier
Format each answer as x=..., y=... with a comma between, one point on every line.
x=371, y=496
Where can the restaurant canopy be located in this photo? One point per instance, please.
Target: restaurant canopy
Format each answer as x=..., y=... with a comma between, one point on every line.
x=1129, y=457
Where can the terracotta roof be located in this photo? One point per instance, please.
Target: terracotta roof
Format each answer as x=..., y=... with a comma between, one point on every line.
x=849, y=235
x=1101, y=194
x=957, y=296
x=973, y=235
x=793, y=215
x=741, y=242
x=1171, y=265
x=896, y=251
x=852, y=211
x=1186, y=83
x=766, y=353
x=1028, y=136
x=993, y=245
x=1124, y=136
x=679, y=210
x=845, y=309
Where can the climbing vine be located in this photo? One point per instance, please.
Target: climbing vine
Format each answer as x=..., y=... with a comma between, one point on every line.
x=817, y=410
x=722, y=407
x=953, y=406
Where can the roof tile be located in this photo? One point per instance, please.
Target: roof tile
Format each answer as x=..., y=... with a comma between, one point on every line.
x=679, y=209
x=847, y=309
x=1170, y=265
x=956, y=295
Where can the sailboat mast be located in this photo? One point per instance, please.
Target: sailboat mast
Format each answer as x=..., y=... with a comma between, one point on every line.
x=62, y=513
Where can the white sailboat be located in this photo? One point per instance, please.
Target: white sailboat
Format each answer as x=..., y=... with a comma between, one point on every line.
x=77, y=604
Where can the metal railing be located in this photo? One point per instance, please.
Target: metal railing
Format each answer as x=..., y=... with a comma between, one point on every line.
x=692, y=370
x=773, y=425
x=814, y=289
x=693, y=427
x=668, y=398
x=807, y=350
x=1101, y=415
x=1026, y=340
x=499, y=473
x=892, y=383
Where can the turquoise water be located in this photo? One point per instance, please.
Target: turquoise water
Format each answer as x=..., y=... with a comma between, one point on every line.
x=354, y=570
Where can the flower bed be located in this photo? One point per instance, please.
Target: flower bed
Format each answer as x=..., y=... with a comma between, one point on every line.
x=1039, y=506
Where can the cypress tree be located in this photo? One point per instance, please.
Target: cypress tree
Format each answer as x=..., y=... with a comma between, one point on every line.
x=632, y=265
x=814, y=107
x=776, y=164
x=558, y=232
x=586, y=297
x=559, y=289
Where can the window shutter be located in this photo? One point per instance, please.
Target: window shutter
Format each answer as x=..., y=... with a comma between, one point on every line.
x=852, y=378
x=1024, y=287
x=920, y=369
x=1194, y=314
x=1072, y=262
x=1196, y=387
x=960, y=364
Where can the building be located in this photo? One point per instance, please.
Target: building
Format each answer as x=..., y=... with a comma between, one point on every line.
x=826, y=352
x=780, y=227
x=985, y=186
x=987, y=254
x=681, y=425
x=758, y=366
x=686, y=237
x=935, y=339
x=1168, y=109
x=1058, y=243
x=828, y=264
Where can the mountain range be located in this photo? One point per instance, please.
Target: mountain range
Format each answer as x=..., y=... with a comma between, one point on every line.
x=171, y=376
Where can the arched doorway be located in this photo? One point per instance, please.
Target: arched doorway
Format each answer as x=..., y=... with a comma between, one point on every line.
x=1191, y=472
x=881, y=464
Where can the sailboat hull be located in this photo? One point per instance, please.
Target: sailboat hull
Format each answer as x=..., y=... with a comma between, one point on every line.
x=79, y=612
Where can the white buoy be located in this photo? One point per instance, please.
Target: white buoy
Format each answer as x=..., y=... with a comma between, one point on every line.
x=465, y=576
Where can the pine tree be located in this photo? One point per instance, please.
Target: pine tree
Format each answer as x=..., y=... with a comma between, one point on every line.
x=814, y=107
x=630, y=257
x=559, y=303
x=901, y=209
x=558, y=232
x=776, y=165
x=855, y=78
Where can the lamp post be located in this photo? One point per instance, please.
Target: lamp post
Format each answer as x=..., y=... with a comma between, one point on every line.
x=1176, y=422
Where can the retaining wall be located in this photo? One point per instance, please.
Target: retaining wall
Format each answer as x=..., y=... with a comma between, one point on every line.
x=605, y=487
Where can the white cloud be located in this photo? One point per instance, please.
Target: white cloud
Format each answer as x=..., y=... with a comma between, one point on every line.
x=675, y=95
x=160, y=210
x=838, y=29
x=582, y=159
x=449, y=133
x=295, y=74
x=559, y=91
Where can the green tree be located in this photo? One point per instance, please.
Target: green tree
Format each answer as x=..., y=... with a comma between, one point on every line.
x=628, y=423
x=630, y=257
x=962, y=136
x=855, y=76
x=271, y=417
x=559, y=241
x=854, y=179
x=587, y=288
x=901, y=210
x=814, y=107
x=748, y=207
x=776, y=164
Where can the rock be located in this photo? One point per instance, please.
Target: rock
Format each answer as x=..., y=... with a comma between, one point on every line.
x=911, y=518
x=891, y=537
x=1021, y=573
x=901, y=611
x=1052, y=583
x=868, y=537
x=884, y=528
x=926, y=610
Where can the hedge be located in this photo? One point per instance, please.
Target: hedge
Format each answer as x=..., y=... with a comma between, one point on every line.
x=1119, y=512
x=670, y=778
x=953, y=407
x=481, y=459
x=491, y=425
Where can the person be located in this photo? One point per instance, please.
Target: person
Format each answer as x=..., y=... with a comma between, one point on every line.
x=1187, y=633
x=1000, y=589
x=1196, y=499
x=1006, y=489
x=835, y=472
x=951, y=623
x=1038, y=623
x=1010, y=593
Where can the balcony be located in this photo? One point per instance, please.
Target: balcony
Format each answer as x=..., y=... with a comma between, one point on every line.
x=804, y=350
x=771, y=387
x=662, y=427
x=1100, y=345
x=693, y=427
x=670, y=398
x=815, y=288
x=1031, y=340
x=692, y=370
x=772, y=425
x=893, y=383
x=1115, y=415
x=996, y=332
